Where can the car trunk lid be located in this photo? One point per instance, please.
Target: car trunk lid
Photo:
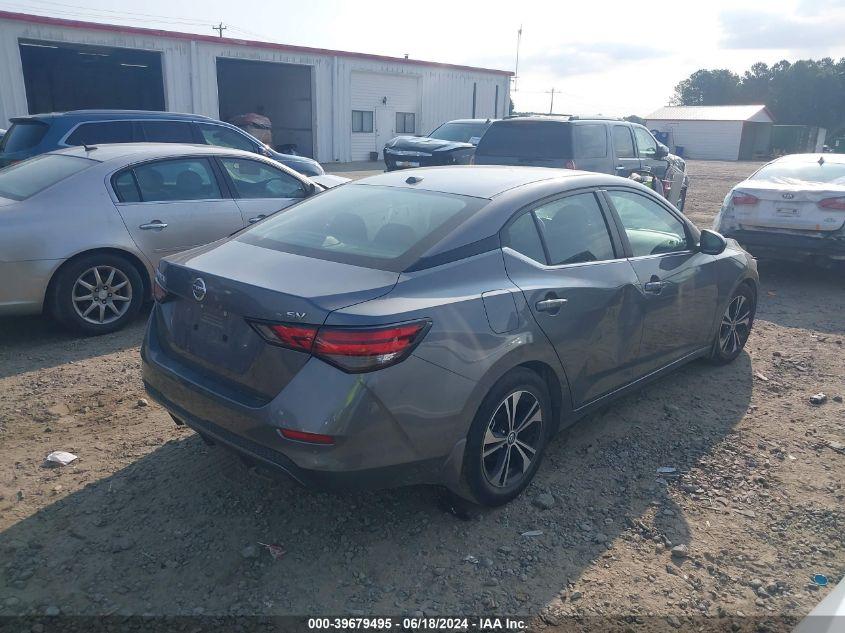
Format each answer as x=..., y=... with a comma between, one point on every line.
x=789, y=206
x=215, y=294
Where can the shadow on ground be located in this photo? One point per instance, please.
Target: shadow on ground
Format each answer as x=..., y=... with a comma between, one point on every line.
x=37, y=342
x=179, y=531
x=799, y=295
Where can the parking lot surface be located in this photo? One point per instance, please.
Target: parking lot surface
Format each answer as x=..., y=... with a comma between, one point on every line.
x=149, y=520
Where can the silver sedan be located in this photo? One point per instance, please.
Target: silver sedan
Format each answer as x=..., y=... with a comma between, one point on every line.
x=83, y=229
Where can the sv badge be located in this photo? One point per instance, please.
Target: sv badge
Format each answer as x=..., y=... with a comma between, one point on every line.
x=295, y=315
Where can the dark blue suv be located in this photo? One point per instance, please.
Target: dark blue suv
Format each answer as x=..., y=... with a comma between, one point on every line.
x=39, y=133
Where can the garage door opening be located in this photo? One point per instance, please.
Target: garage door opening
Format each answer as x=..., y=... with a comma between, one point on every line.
x=60, y=77
x=280, y=92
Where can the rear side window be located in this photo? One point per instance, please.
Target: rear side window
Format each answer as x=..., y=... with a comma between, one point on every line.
x=175, y=180
x=527, y=139
x=574, y=230
x=102, y=132
x=25, y=179
x=220, y=136
x=254, y=179
x=365, y=225
x=125, y=187
x=23, y=135
x=622, y=142
x=590, y=140
x=167, y=132
x=522, y=237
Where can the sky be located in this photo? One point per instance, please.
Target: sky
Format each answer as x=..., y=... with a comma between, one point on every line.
x=607, y=57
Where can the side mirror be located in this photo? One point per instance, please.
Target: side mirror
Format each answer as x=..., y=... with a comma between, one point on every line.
x=711, y=243
x=662, y=151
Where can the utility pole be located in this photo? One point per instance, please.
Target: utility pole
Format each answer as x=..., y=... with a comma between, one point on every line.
x=219, y=28
x=516, y=68
x=552, y=104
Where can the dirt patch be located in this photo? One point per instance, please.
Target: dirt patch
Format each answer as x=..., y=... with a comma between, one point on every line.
x=150, y=520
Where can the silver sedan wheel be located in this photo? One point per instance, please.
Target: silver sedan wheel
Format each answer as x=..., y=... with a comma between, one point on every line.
x=735, y=326
x=101, y=295
x=513, y=436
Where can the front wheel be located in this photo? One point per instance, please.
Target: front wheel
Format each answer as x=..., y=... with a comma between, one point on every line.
x=97, y=294
x=507, y=438
x=735, y=327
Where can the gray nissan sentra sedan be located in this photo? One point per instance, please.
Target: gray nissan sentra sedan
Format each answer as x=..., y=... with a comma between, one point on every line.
x=438, y=325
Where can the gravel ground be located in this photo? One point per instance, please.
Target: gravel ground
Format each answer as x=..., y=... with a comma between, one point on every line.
x=149, y=520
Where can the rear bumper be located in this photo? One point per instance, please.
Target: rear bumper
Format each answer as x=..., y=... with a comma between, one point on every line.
x=393, y=161
x=789, y=246
x=366, y=479
x=383, y=437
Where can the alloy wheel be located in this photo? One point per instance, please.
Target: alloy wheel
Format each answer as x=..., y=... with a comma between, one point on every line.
x=736, y=325
x=101, y=294
x=513, y=436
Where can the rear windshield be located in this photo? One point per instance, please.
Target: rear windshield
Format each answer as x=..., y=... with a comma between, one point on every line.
x=460, y=132
x=372, y=226
x=527, y=139
x=23, y=135
x=25, y=179
x=789, y=172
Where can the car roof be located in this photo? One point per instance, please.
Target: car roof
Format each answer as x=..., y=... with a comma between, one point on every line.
x=133, y=152
x=559, y=118
x=96, y=115
x=811, y=158
x=477, y=181
x=488, y=120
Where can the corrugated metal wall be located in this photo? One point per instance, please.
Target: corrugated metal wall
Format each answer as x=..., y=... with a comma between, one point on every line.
x=713, y=140
x=190, y=80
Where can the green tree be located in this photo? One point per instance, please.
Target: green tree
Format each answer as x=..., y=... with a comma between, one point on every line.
x=708, y=87
x=806, y=92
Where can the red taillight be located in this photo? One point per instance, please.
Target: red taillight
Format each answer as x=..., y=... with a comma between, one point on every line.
x=160, y=294
x=303, y=436
x=299, y=337
x=744, y=198
x=833, y=203
x=570, y=164
x=351, y=349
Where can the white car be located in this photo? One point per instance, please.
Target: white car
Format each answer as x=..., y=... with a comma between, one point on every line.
x=792, y=208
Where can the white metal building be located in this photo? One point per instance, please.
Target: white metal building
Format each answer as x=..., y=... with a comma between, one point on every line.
x=333, y=105
x=732, y=132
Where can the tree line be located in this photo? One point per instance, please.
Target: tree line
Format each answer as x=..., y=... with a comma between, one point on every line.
x=806, y=92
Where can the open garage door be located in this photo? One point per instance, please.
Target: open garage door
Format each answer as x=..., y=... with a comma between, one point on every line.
x=60, y=76
x=281, y=92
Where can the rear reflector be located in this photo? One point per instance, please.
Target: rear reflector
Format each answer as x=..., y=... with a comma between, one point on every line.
x=351, y=349
x=833, y=203
x=744, y=198
x=302, y=436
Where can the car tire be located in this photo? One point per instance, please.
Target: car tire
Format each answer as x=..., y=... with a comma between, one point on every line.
x=115, y=297
x=495, y=466
x=734, y=326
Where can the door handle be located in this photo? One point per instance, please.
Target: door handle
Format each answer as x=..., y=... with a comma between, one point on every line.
x=549, y=305
x=155, y=225
x=654, y=287
x=257, y=218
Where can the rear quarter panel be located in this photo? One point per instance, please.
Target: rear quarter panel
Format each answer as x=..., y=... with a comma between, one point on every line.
x=461, y=341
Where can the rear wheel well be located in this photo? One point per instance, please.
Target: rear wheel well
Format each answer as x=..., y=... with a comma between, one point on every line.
x=555, y=389
x=133, y=259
